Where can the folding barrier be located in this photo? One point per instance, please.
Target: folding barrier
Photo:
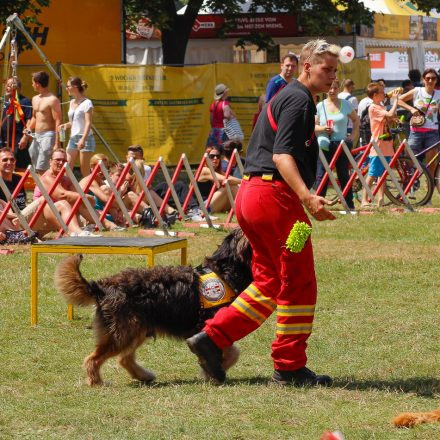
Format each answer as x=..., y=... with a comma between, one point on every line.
x=171, y=190
x=82, y=197
x=148, y=184
x=194, y=188
x=46, y=198
x=193, y=183
x=11, y=203
x=389, y=172
x=147, y=193
x=329, y=175
x=115, y=195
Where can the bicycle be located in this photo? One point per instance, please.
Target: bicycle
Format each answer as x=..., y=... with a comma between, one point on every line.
x=418, y=189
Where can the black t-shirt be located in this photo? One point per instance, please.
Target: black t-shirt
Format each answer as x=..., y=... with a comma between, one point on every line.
x=21, y=196
x=293, y=110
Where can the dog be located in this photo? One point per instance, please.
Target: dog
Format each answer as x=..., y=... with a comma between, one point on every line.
x=408, y=420
x=139, y=304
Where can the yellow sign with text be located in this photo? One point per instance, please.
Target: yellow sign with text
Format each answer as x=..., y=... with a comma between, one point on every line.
x=164, y=109
x=81, y=32
x=393, y=27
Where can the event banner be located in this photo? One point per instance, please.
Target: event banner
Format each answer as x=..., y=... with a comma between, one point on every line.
x=164, y=109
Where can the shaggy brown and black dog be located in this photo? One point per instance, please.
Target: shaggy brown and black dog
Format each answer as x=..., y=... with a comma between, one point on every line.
x=137, y=304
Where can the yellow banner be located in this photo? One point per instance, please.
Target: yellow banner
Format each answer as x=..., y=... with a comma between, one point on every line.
x=81, y=32
x=359, y=71
x=164, y=109
x=393, y=27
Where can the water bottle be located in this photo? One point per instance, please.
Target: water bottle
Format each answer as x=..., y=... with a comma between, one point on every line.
x=62, y=132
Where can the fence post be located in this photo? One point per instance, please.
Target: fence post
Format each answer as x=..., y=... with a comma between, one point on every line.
x=332, y=178
x=196, y=189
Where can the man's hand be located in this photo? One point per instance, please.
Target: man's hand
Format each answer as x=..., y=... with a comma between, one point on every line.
x=315, y=205
x=23, y=143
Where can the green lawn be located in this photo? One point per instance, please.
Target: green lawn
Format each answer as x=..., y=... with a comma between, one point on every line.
x=376, y=332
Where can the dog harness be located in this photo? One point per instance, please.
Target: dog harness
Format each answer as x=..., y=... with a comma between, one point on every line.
x=213, y=291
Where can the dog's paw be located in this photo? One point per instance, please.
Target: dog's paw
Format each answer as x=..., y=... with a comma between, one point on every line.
x=147, y=376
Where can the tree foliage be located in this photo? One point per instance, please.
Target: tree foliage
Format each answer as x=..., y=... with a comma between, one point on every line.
x=314, y=17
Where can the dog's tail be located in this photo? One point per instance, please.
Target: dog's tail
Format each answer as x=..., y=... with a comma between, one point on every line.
x=72, y=285
x=407, y=420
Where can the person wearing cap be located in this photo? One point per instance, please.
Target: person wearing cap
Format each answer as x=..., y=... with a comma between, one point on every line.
x=289, y=68
x=270, y=206
x=219, y=110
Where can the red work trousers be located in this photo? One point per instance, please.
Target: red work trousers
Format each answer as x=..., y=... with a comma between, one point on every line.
x=283, y=280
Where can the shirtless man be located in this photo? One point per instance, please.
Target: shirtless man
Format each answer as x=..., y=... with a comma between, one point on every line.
x=46, y=118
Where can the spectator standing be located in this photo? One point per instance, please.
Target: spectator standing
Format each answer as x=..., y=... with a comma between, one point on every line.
x=46, y=119
x=219, y=110
x=415, y=77
x=426, y=101
x=379, y=119
x=289, y=69
x=80, y=116
x=347, y=93
x=339, y=112
x=20, y=147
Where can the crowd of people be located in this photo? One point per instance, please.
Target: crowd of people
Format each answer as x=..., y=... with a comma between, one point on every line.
x=36, y=138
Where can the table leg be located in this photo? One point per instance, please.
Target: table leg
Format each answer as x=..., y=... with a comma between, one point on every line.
x=34, y=286
x=70, y=312
x=150, y=259
x=183, y=256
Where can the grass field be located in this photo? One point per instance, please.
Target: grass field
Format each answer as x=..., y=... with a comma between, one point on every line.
x=376, y=332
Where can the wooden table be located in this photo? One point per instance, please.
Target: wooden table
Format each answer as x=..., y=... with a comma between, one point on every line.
x=149, y=247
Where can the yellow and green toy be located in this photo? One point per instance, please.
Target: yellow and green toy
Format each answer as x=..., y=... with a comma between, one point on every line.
x=298, y=236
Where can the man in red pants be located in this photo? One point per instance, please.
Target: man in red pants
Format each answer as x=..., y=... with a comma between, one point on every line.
x=280, y=168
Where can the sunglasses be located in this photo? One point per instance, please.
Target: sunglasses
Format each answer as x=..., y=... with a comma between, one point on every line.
x=214, y=156
x=8, y=159
x=430, y=78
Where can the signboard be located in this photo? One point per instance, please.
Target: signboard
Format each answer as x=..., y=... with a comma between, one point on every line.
x=395, y=66
x=276, y=25
x=86, y=32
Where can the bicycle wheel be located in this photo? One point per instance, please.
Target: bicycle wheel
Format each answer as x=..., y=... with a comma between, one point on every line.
x=421, y=190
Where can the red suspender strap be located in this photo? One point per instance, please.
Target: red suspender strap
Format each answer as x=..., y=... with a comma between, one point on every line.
x=272, y=122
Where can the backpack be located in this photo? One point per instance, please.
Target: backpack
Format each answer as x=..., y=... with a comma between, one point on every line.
x=365, y=127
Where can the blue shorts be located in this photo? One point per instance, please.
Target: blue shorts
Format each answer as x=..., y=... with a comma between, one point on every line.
x=217, y=137
x=89, y=146
x=376, y=168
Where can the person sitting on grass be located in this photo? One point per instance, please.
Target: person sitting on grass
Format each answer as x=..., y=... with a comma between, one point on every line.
x=46, y=222
x=66, y=193
x=380, y=134
x=101, y=193
x=219, y=201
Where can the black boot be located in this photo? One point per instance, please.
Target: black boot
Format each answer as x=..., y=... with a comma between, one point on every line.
x=300, y=378
x=210, y=356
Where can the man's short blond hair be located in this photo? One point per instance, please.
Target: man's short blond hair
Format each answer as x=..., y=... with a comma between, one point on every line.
x=314, y=51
